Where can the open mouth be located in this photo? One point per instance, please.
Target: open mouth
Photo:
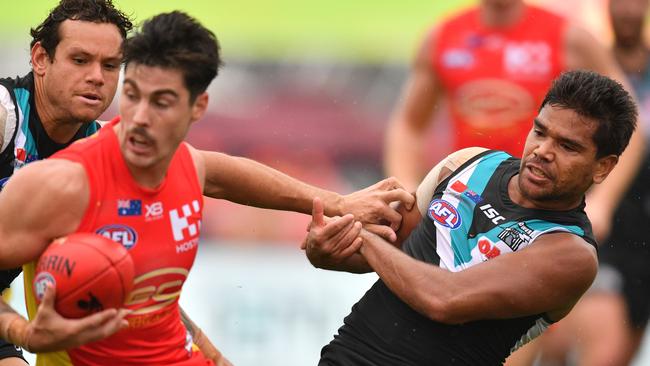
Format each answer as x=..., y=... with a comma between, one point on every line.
x=537, y=172
x=140, y=144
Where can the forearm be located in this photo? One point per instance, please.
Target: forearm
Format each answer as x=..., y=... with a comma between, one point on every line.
x=404, y=151
x=422, y=286
x=355, y=263
x=13, y=327
x=248, y=182
x=200, y=339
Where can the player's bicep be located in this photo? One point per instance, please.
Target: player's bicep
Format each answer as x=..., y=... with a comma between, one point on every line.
x=41, y=202
x=220, y=173
x=548, y=276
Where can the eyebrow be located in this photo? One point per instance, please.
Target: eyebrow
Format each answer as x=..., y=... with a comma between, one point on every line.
x=83, y=52
x=156, y=93
x=574, y=143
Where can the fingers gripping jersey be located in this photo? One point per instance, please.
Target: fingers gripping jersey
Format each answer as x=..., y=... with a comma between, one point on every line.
x=160, y=228
x=470, y=220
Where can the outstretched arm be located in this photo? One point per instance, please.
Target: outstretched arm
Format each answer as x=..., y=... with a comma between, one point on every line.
x=248, y=182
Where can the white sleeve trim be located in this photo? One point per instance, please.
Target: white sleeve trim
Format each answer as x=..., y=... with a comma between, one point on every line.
x=7, y=118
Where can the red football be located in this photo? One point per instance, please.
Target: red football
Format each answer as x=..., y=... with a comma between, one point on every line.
x=90, y=273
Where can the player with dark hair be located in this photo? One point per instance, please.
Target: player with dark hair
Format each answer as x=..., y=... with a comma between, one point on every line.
x=142, y=157
x=499, y=247
x=76, y=58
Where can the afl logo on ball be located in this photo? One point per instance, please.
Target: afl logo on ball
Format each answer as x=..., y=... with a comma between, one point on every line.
x=41, y=282
x=444, y=213
x=120, y=234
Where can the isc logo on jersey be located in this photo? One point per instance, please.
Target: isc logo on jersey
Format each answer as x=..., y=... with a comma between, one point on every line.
x=444, y=213
x=121, y=234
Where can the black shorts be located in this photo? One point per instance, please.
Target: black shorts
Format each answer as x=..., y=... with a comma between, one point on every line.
x=9, y=350
x=625, y=256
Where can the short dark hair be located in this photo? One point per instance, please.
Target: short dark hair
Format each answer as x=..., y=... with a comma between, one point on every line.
x=599, y=98
x=176, y=40
x=98, y=11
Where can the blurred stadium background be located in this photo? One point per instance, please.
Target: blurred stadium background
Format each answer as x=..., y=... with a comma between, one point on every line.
x=307, y=88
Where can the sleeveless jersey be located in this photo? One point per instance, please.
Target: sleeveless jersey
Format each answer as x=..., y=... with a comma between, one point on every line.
x=495, y=78
x=25, y=139
x=160, y=228
x=470, y=220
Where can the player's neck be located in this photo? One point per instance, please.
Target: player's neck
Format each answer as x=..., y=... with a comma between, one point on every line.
x=502, y=16
x=58, y=128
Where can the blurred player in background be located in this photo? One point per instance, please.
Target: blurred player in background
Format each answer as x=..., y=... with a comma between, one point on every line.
x=607, y=325
x=498, y=248
x=168, y=67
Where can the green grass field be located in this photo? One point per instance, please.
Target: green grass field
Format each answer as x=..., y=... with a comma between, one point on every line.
x=363, y=30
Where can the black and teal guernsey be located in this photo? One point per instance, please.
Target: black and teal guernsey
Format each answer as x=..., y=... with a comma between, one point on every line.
x=25, y=139
x=470, y=220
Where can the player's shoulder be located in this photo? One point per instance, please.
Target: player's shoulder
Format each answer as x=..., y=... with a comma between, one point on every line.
x=462, y=156
x=444, y=169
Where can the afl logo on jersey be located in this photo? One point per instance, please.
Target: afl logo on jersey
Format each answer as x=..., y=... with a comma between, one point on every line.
x=120, y=233
x=444, y=213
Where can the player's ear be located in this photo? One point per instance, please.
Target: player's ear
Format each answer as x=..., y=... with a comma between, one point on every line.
x=604, y=166
x=40, y=59
x=199, y=106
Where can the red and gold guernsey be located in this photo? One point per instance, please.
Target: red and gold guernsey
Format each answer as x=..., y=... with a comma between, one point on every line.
x=496, y=78
x=160, y=228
